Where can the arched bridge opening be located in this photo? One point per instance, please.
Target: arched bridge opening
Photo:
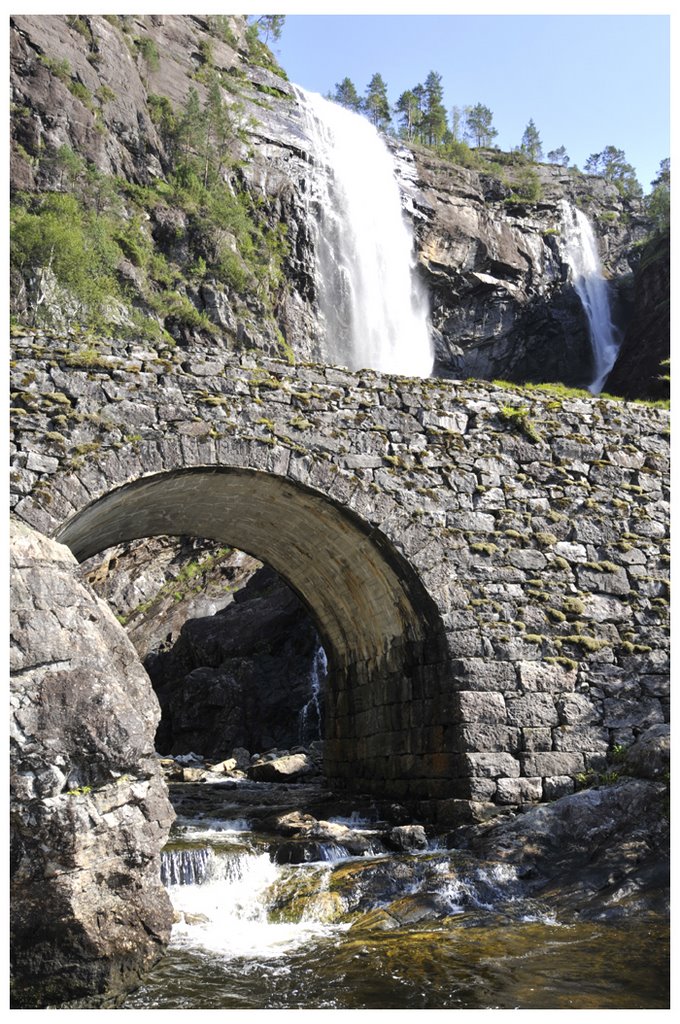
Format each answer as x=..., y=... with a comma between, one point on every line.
x=386, y=710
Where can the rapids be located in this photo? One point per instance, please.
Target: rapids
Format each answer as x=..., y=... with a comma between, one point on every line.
x=429, y=929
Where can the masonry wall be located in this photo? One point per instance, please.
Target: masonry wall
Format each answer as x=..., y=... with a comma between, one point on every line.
x=537, y=523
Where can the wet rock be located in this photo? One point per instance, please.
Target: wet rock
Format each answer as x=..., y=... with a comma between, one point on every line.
x=301, y=851
x=589, y=847
x=293, y=823
x=639, y=371
x=407, y=837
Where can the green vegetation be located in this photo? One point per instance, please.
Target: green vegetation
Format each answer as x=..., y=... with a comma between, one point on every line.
x=81, y=237
x=517, y=417
x=611, y=164
x=376, y=105
x=558, y=156
x=659, y=201
x=531, y=142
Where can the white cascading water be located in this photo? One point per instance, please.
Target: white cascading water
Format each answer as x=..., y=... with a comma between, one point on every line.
x=221, y=903
x=580, y=253
x=374, y=309
x=310, y=715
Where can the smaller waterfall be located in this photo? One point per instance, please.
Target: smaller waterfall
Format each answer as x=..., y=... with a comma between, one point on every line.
x=581, y=255
x=374, y=310
x=223, y=896
x=184, y=867
x=310, y=715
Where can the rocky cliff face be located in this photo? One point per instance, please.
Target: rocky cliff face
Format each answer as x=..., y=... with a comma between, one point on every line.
x=89, y=810
x=501, y=304
x=228, y=646
x=642, y=369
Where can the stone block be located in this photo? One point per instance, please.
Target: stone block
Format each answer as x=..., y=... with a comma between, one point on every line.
x=572, y=552
x=475, y=522
x=553, y=763
x=531, y=710
x=604, y=582
x=483, y=674
x=454, y=420
x=655, y=686
x=464, y=812
x=481, y=707
x=537, y=739
x=41, y=463
x=518, y=791
x=619, y=714
x=528, y=559
x=581, y=738
x=490, y=737
x=577, y=709
x=481, y=789
x=493, y=766
x=601, y=608
x=546, y=676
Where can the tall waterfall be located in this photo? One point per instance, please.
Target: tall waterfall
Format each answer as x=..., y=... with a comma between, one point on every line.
x=580, y=253
x=374, y=309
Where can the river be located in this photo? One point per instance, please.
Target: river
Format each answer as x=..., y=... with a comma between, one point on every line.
x=430, y=928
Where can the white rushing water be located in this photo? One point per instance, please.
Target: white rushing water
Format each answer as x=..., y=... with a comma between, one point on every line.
x=580, y=253
x=222, y=901
x=374, y=309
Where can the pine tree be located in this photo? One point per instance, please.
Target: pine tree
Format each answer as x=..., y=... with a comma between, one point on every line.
x=376, y=104
x=434, y=119
x=531, y=142
x=659, y=201
x=558, y=156
x=458, y=115
x=270, y=25
x=408, y=106
x=419, y=93
x=478, y=125
x=346, y=95
x=611, y=164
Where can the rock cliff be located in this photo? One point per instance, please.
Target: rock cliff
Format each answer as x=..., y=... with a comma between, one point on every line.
x=642, y=369
x=502, y=305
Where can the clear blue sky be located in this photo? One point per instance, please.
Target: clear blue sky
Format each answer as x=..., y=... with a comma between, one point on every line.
x=588, y=81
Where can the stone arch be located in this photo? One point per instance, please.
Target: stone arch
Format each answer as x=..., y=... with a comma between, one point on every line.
x=382, y=630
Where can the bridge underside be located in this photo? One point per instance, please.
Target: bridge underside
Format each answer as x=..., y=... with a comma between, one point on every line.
x=381, y=631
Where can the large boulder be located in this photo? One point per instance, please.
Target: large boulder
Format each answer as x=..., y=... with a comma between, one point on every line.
x=89, y=811
x=602, y=852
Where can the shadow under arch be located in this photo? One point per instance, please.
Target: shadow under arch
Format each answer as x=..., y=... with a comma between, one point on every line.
x=381, y=629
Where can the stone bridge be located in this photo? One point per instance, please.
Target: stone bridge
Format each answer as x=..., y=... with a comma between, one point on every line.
x=487, y=566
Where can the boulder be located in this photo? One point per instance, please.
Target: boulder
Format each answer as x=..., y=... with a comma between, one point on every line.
x=600, y=852
x=407, y=837
x=282, y=769
x=89, y=810
x=649, y=757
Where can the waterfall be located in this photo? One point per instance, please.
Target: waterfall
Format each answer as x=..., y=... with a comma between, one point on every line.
x=222, y=897
x=311, y=712
x=375, y=312
x=581, y=255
